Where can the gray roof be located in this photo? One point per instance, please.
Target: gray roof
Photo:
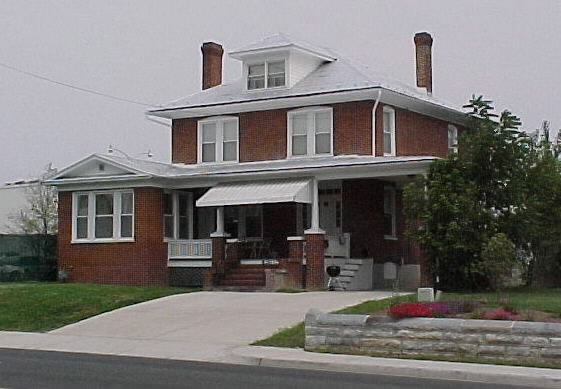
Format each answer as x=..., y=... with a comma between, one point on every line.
x=330, y=77
x=282, y=40
x=169, y=170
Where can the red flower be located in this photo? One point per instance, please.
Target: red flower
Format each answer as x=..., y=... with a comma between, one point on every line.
x=401, y=310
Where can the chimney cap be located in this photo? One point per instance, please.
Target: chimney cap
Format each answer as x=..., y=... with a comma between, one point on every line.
x=212, y=48
x=423, y=38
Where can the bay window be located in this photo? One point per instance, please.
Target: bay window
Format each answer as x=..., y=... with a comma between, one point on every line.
x=103, y=216
x=310, y=132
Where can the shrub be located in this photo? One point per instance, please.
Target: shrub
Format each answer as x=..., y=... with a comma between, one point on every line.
x=500, y=314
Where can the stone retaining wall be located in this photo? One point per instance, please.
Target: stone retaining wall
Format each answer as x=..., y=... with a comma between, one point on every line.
x=493, y=339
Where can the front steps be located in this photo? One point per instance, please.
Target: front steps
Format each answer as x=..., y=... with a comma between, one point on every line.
x=244, y=278
x=350, y=272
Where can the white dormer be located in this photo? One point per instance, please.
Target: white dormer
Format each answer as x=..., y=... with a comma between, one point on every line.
x=278, y=62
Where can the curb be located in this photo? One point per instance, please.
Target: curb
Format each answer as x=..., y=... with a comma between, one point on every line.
x=490, y=374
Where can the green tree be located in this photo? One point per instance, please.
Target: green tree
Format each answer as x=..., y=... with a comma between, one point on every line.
x=470, y=197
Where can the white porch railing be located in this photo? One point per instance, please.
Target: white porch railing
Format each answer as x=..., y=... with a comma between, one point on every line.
x=190, y=249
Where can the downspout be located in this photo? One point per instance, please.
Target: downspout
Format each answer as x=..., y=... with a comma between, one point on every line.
x=374, y=121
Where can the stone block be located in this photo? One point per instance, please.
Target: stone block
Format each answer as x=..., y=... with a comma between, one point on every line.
x=536, y=328
x=497, y=351
x=446, y=347
x=536, y=341
x=342, y=320
x=503, y=339
x=392, y=344
x=467, y=349
x=487, y=326
x=521, y=351
x=421, y=335
x=419, y=345
x=555, y=342
x=551, y=353
x=314, y=340
x=464, y=338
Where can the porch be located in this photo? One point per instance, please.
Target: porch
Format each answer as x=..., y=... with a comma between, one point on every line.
x=268, y=228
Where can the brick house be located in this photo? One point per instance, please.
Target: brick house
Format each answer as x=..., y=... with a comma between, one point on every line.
x=296, y=165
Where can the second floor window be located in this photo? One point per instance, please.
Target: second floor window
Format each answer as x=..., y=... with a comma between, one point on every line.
x=389, y=131
x=310, y=132
x=218, y=140
x=452, y=139
x=266, y=75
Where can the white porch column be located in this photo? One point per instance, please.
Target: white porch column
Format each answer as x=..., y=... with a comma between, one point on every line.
x=315, y=229
x=219, y=224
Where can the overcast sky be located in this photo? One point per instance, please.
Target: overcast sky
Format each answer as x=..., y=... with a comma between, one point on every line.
x=149, y=52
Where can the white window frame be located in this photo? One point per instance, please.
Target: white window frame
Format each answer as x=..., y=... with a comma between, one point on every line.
x=219, y=138
x=311, y=131
x=452, y=139
x=391, y=112
x=175, y=198
x=266, y=63
x=393, y=211
x=91, y=216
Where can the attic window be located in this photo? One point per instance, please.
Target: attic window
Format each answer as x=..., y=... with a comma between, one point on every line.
x=101, y=167
x=266, y=75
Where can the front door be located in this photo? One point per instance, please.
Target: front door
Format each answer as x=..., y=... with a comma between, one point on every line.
x=330, y=211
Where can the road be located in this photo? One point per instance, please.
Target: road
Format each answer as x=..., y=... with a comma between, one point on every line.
x=23, y=369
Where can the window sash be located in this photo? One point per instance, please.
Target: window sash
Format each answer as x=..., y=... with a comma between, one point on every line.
x=178, y=215
x=388, y=131
x=222, y=144
x=266, y=75
x=103, y=216
x=311, y=132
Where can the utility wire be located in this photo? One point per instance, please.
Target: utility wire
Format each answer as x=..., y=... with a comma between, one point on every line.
x=74, y=86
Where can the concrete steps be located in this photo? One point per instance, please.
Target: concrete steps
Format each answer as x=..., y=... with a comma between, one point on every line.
x=244, y=277
x=349, y=270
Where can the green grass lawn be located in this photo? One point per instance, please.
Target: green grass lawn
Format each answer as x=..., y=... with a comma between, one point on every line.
x=42, y=306
x=547, y=300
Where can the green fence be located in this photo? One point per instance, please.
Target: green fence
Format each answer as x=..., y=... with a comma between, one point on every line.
x=28, y=257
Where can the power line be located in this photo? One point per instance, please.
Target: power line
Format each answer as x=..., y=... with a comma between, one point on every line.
x=74, y=86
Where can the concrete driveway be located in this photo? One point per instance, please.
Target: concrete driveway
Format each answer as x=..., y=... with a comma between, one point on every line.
x=203, y=326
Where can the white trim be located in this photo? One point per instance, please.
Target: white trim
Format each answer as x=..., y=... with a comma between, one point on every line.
x=310, y=113
x=374, y=108
x=218, y=121
x=190, y=263
x=91, y=216
x=392, y=132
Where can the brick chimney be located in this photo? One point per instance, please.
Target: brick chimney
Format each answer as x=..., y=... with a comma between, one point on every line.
x=212, y=64
x=423, y=56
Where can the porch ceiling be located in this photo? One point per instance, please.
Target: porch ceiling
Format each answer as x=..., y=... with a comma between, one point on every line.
x=257, y=192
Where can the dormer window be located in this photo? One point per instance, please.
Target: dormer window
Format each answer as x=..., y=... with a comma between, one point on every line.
x=270, y=74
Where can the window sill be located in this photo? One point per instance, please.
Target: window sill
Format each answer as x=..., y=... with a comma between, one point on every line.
x=310, y=156
x=218, y=162
x=390, y=237
x=96, y=241
x=266, y=89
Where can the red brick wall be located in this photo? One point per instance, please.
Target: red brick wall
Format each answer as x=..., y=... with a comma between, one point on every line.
x=363, y=217
x=263, y=133
x=415, y=134
x=353, y=128
x=184, y=141
x=143, y=262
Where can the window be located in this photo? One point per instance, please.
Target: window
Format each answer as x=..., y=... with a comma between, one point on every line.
x=389, y=213
x=244, y=221
x=310, y=132
x=177, y=211
x=218, y=140
x=452, y=139
x=266, y=75
x=103, y=216
x=389, y=131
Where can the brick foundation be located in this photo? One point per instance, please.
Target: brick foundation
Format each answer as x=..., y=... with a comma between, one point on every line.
x=315, y=261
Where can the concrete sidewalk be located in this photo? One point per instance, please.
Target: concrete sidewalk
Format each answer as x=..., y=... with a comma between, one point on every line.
x=218, y=326
x=490, y=374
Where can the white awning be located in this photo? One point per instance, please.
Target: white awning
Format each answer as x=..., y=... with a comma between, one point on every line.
x=258, y=192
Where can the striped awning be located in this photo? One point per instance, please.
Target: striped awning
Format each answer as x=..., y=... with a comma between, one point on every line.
x=257, y=192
